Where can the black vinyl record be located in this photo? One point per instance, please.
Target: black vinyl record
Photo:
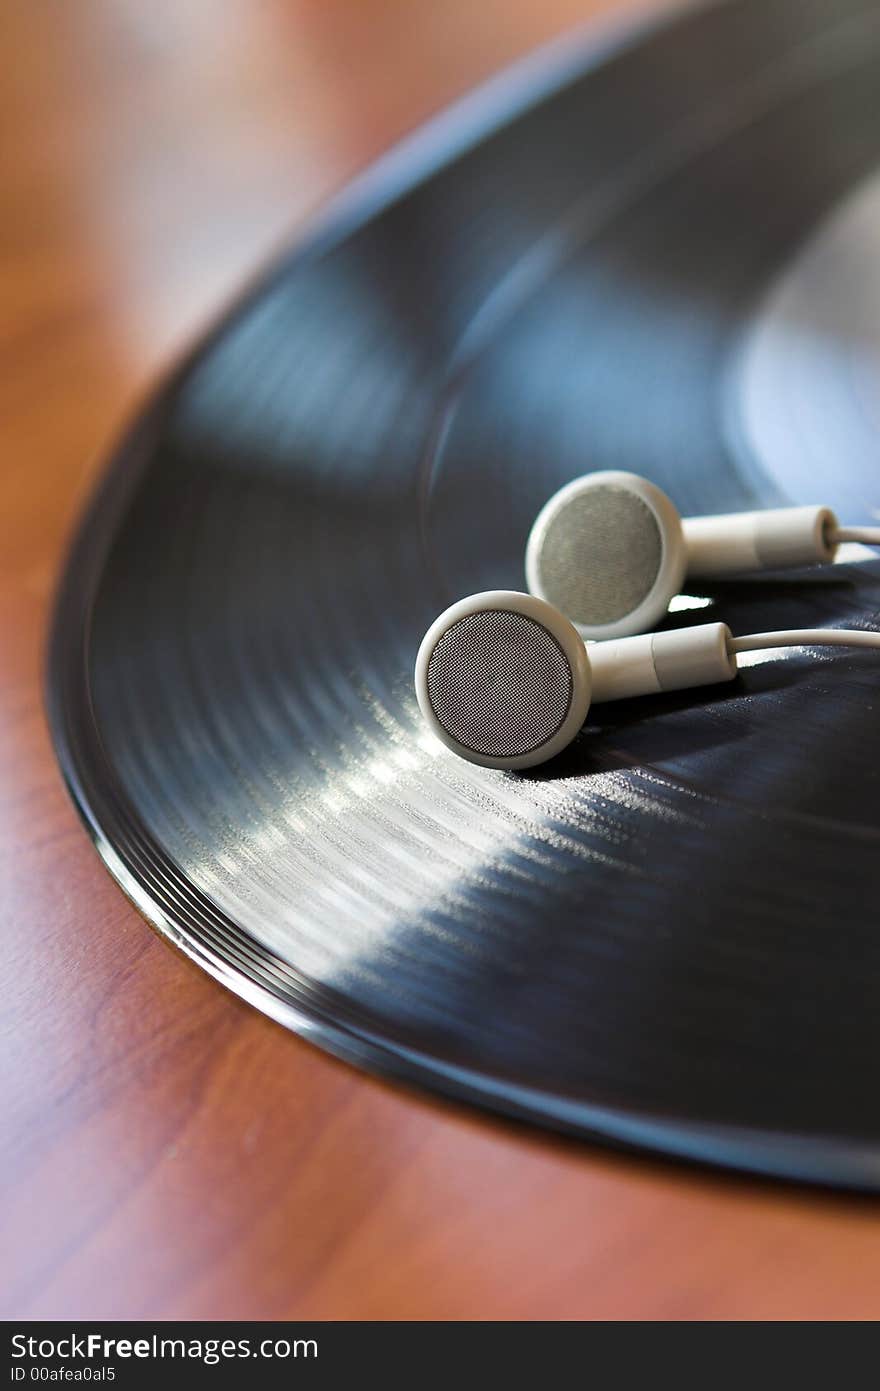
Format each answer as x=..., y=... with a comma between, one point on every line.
x=668, y=936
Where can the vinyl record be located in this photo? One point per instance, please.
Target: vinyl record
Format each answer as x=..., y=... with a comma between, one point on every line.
x=661, y=256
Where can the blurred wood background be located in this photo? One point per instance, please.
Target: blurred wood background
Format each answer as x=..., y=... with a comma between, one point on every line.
x=166, y=1151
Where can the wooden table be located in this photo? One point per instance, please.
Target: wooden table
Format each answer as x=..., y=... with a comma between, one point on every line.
x=166, y=1151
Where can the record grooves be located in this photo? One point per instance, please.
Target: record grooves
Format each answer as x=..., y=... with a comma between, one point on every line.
x=664, y=938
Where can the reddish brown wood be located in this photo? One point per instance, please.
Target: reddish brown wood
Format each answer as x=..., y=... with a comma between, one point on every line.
x=167, y=1152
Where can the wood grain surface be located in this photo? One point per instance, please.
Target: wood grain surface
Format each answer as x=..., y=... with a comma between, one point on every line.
x=166, y=1152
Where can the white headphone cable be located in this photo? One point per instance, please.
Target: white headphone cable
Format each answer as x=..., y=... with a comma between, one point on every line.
x=867, y=535
x=805, y=637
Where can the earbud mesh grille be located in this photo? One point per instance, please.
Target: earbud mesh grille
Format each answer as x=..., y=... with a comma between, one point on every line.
x=499, y=683
x=601, y=555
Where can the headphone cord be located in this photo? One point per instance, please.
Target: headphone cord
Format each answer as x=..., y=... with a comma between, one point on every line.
x=868, y=535
x=805, y=637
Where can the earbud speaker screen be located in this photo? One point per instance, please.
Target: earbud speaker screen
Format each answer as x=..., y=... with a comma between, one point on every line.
x=499, y=683
x=600, y=555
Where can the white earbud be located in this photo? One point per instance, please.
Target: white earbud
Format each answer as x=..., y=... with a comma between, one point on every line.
x=611, y=551
x=505, y=680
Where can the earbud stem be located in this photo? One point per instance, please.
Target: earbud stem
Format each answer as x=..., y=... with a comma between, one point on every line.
x=653, y=662
x=740, y=541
